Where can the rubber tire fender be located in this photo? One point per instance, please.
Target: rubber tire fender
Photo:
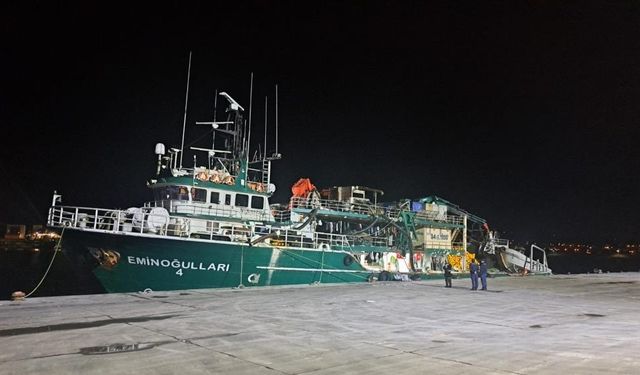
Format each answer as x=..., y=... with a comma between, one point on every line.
x=348, y=260
x=384, y=276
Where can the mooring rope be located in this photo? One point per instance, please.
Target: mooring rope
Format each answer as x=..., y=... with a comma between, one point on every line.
x=56, y=248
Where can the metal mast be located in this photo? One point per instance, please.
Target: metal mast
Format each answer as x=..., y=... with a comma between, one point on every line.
x=186, y=101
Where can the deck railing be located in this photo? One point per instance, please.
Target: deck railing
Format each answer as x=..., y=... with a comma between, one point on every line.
x=333, y=205
x=148, y=221
x=205, y=209
x=370, y=209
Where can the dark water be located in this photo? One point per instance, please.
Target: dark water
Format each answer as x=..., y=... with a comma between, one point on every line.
x=22, y=270
x=563, y=264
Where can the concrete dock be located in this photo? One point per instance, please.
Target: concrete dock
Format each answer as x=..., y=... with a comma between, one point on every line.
x=570, y=324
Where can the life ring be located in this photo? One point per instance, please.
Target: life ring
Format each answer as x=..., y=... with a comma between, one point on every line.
x=348, y=260
x=324, y=247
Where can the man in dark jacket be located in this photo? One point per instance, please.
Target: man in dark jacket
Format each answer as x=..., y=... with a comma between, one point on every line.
x=473, y=272
x=447, y=275
x=483, y=274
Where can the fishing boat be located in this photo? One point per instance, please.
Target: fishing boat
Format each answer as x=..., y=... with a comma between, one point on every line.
x=212, y=225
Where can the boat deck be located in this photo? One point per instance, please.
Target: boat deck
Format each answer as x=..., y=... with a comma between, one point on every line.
x=572, y=324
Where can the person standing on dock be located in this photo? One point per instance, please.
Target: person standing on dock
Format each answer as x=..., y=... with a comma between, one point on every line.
x=483, y=274
x=473, y=272
x=447, y=275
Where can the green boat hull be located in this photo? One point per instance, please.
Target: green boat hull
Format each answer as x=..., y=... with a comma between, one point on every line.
x=132, y=263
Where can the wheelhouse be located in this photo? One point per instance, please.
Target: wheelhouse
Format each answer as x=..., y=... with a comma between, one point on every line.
x=193, y=200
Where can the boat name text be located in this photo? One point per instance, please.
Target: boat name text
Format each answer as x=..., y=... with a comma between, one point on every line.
x=177, y=264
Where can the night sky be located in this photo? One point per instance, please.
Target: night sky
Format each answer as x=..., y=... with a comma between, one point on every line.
x=524, y=113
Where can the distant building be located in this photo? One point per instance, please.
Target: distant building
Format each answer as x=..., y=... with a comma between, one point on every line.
x=15, y=232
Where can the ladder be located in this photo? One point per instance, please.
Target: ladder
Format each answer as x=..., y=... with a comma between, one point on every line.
x=266, y=172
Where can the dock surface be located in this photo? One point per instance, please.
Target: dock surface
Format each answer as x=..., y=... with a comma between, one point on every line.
x=569, y=324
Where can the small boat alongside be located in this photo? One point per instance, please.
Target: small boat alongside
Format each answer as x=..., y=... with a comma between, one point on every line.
x=516, y=261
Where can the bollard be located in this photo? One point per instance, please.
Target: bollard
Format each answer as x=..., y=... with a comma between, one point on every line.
x=17, y=296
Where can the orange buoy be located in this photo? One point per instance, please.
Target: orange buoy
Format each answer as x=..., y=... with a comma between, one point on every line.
x=17, y=296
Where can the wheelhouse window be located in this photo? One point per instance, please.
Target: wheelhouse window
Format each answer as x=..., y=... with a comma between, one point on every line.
x=242, y=200
x=198, y=195
x=180, y=193
x=215, y=197
x=257, y=202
